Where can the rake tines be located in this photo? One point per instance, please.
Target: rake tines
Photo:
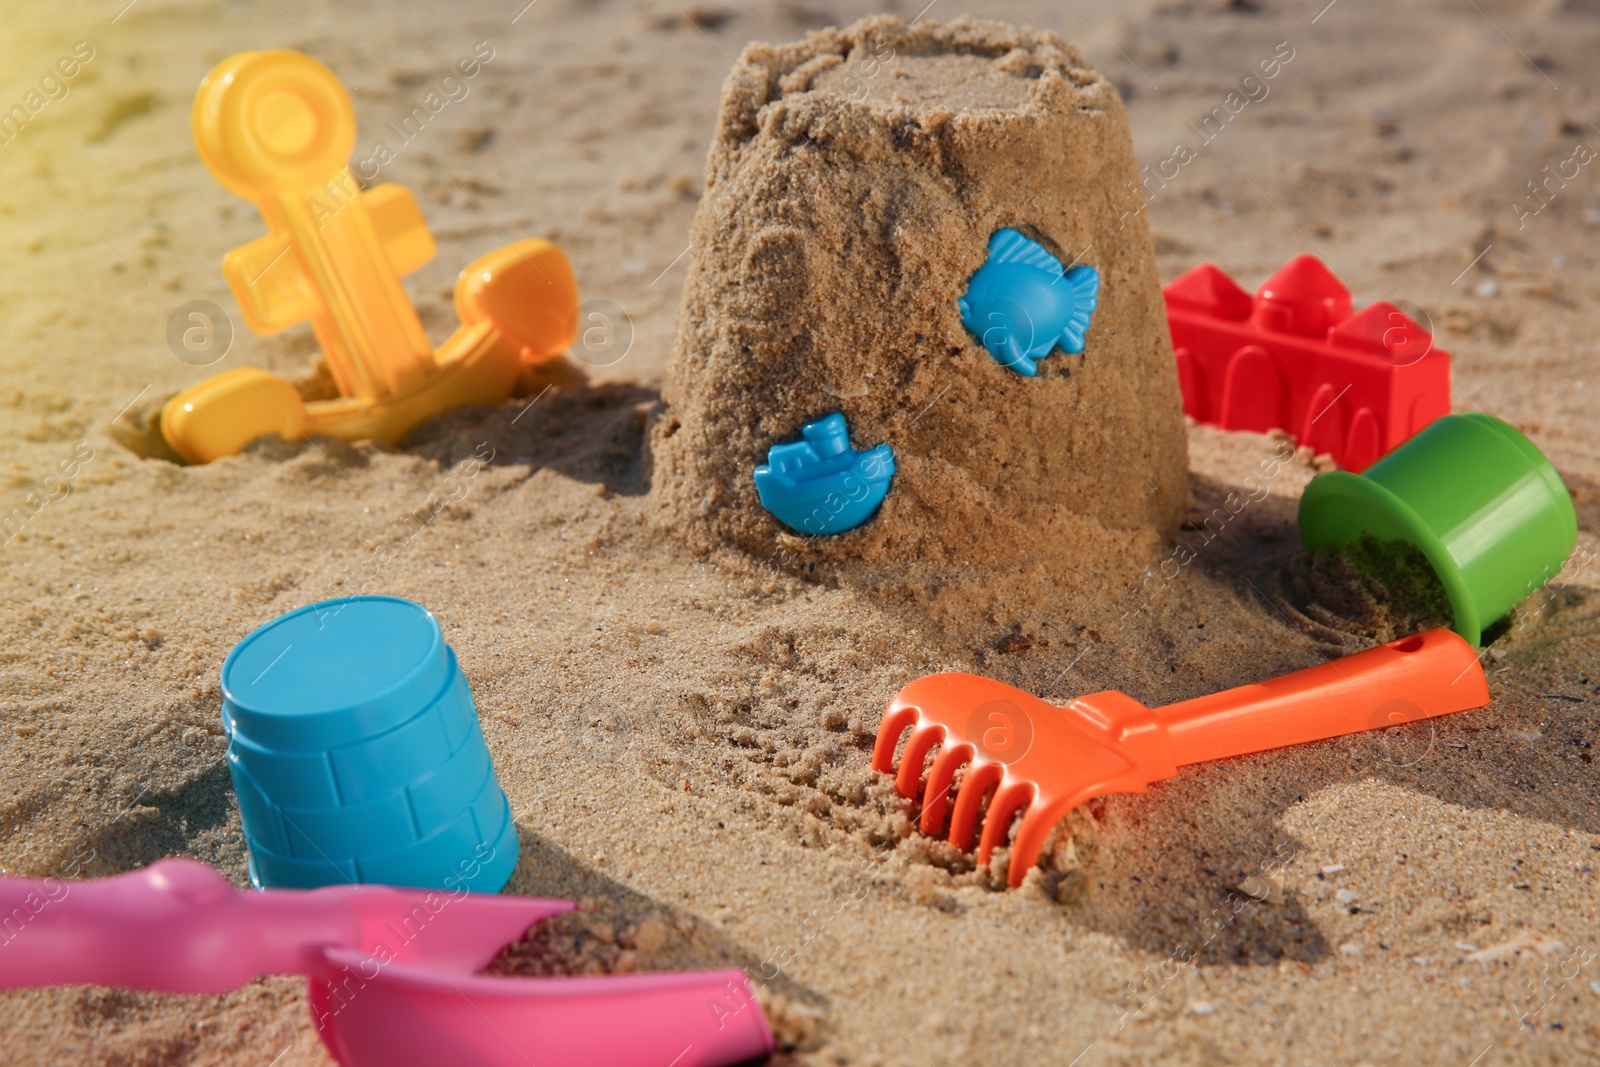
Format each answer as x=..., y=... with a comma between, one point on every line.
x=1011, y=796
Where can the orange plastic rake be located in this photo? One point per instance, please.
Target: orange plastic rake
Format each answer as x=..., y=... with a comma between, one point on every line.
x=1044, y=761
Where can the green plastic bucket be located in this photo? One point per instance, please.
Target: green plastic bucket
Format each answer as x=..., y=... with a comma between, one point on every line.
x=1474, y=495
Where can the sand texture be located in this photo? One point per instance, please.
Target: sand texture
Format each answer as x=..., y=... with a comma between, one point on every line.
x=851, y=190
x=680, y=715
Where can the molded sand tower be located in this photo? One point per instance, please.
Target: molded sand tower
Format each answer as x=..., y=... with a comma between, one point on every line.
x=852, y=191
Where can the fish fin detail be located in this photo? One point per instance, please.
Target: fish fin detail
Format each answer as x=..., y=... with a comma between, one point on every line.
x=1009, y=351
x=1009, y=246
x=1084, y=284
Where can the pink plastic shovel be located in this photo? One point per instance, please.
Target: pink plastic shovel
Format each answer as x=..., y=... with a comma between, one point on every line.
x=390, y=972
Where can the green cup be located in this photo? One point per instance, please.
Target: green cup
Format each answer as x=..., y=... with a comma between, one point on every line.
x=1474, y=495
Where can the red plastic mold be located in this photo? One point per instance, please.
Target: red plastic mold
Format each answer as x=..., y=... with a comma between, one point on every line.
x=1294, y=358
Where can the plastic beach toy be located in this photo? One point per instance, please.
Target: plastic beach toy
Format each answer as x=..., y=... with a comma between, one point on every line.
x=1021, y=304
x=277, y=128
x=1293, y=357
x=355, y=751
x=1480, y=501
x=391, y=974
x=1042, y=761
x=820, y=485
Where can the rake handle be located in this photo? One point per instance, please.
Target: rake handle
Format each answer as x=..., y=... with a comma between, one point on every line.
x=1418, y=677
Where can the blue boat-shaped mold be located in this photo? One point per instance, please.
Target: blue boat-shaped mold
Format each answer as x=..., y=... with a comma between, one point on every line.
x=819, y=485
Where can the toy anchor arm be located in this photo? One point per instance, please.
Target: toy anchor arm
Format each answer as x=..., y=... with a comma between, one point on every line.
x=271, y=283
x=400, y=225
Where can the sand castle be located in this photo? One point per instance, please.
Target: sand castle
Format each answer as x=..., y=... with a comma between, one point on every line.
x=852, y=191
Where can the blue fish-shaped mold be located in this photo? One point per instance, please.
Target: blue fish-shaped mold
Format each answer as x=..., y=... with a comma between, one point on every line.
x=820, y=485
x=1021, y=304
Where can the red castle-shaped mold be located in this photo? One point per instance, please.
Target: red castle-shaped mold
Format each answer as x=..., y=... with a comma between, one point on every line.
x=1294, y=358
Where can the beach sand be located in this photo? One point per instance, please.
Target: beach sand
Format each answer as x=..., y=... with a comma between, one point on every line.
x=1006, y=502
x=684, y=738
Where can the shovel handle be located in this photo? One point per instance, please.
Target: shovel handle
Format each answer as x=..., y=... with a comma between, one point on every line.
x=176, y=926
x=1417, y=677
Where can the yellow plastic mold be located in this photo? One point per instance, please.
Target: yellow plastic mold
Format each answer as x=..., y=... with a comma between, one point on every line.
x=277, y=128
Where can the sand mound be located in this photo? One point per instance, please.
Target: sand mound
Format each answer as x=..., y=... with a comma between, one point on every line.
x=852, y=190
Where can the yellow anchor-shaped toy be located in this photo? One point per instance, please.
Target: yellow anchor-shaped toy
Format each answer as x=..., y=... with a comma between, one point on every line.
x=277, y=128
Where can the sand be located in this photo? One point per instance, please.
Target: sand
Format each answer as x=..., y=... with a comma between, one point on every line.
x=684, y=736
x=877, y=161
